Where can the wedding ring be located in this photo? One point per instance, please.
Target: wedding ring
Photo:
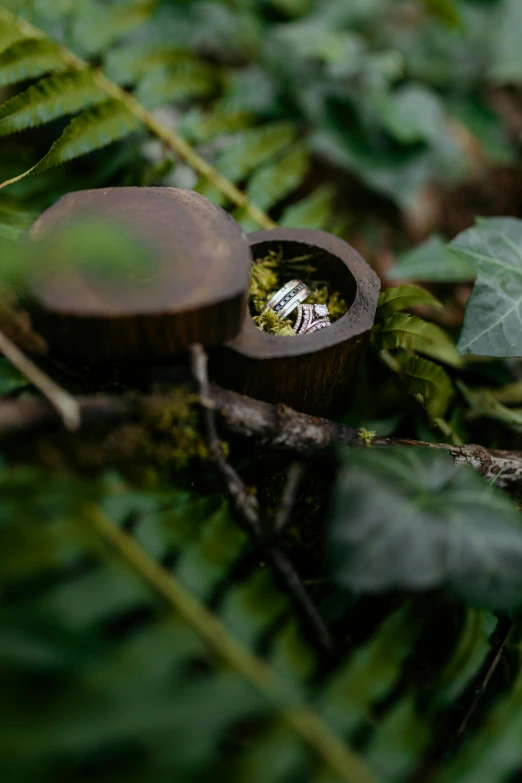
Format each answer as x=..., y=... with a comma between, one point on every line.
x=311, y=318
x=287, y=298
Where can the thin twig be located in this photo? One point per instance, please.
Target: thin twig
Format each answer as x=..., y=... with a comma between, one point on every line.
x=64, y=403
x=485, y=682
x=344, y=763
x=283, y=515
x=246, y=504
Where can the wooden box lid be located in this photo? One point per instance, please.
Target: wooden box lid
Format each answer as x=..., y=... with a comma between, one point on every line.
x=195, y=290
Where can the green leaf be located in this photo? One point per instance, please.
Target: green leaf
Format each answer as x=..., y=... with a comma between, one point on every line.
x=14, y=220
x=493, y=317
x=371, y=673
x=97, y=28
x=394, y=300
x=493, y=754
x=411, y=519
x=483, y=404
x=506, y=58
x=273, y=182
x=414, y=334
x=187, y=79
x=10, y=33
x=254, y=147
x=314, y=211
x=52, y=97
x=126, y=64
x=90, y=130
x=412, y=114
x=423, y=378
x=444, y=10
x=432, y=261
x=135, y=659
x=28, y=59
x=10, y=379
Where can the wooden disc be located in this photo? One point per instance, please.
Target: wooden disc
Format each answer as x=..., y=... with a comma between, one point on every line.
x=312, y=373
x=195, y=288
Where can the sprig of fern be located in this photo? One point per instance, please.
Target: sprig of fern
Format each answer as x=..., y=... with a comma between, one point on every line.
x=64, y=94
x=394, y=329
x=310, y=728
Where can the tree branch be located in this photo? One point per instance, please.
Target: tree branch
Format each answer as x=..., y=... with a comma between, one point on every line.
x=274, y=427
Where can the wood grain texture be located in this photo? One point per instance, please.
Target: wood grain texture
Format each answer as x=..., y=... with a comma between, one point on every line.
x=195, y=290
x=312, y=373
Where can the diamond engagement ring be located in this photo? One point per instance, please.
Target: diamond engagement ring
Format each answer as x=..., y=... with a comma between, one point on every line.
x=287, y=298
x=311, y=318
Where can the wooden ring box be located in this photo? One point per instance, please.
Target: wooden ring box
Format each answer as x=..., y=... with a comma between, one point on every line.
x=313, y=373
x=199, y=293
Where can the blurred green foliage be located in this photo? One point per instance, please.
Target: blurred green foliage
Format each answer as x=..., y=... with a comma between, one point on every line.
x=142, y=635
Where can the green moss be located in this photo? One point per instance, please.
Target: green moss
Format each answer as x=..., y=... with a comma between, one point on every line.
x=269, y=322
x=269, y=274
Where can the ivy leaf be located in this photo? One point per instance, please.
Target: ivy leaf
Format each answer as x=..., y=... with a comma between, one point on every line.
x=493, y=317
x=432, y=261
x=395, y=300
x=411, y=519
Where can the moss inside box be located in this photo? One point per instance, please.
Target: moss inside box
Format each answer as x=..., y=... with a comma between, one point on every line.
x=270, y=272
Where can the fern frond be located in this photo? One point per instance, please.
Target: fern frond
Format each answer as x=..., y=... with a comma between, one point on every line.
x=411, y=333
x=14, y=220
x=254, y=147
x=493, y=754
x=402, y=297
x=111, y=90
x=90, y=130
x=10, y=33
x=52, y=97
x=273, y=182
x=427, y=379
x=307, y=725
x=202, y=127
x=99, y=27
x=127, y=64
x=28, y=59
x=189, y=79
x=314, y=211
x=373, y=671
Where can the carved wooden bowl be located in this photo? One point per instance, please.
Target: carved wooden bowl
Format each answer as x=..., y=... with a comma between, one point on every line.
x=195, y=290
x=313, y=373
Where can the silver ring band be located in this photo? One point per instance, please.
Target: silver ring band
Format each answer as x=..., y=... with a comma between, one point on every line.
x=287, y=298
x=311, y=318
